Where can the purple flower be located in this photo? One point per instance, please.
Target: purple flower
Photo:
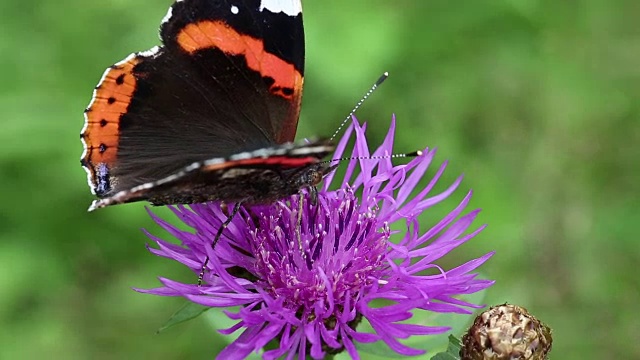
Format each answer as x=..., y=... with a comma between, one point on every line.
x=309, y=297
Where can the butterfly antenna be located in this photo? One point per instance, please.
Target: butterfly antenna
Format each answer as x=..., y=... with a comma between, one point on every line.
x=379, y=157
x=359, y=103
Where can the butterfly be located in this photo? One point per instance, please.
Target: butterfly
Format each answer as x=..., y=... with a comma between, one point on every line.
x=210, y=115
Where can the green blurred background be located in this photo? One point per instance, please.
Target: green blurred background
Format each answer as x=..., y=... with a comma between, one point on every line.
x=536, y=102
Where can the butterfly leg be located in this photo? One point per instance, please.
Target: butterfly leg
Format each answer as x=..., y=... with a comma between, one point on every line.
x=299, y=223
x=313, y=194
x=224, y=225
x=299, y=229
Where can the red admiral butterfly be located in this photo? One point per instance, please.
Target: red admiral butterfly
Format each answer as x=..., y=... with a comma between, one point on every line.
x=209, y=115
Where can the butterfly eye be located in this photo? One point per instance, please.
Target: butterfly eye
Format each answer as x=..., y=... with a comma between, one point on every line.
x=315, y=177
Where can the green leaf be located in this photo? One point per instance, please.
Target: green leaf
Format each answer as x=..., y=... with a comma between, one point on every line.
x=187, y=312
x=453, y=350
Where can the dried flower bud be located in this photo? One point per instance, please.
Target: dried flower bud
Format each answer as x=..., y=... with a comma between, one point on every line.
x=506, y=332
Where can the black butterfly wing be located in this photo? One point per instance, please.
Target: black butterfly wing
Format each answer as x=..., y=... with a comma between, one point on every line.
x=228, y=79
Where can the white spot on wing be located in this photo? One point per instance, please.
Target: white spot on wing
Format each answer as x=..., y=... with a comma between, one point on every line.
x=167, y=17
x=234, y=9
x=234, y=173
x=149, y=53
x=311, y=150
x=289, y=7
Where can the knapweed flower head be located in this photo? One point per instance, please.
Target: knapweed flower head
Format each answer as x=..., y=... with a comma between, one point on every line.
x=305, y=281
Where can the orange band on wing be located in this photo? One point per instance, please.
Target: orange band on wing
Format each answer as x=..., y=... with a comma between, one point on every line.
x=216, y=34
x=111, y=99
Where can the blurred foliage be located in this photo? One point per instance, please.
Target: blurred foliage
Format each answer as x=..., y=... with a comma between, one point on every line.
x=536, y=102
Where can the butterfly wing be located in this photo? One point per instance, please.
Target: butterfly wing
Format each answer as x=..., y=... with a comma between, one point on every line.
x=227, y=79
